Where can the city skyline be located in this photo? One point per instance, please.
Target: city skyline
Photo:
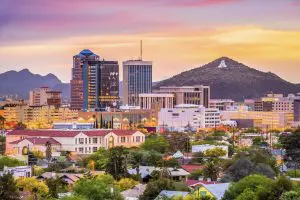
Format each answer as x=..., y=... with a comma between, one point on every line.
x=43, y=36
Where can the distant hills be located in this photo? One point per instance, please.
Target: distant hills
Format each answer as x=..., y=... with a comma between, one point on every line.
x=226, y=77
x=21, y=82
x=231, y=79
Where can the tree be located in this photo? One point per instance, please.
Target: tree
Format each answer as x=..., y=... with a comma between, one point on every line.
x=117, y=162
x=97, y=187
x=20, y=126
x=100, y=159
x=258, y=187
x=38, y=154
x=2, y=144
x=10, y=162
x=126, y=183
x=153, y=188
x=136, y=158
x=198, y=158
x=8, y=188
x=48, y=151
x=55, y=186
x=37, y=189
x=2, y=122
x=216, y=152
x=178, y=141
x=155, y=143
x=253, y=184
x=291, y=144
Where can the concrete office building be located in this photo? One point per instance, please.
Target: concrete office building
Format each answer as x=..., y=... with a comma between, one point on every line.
x=154, y=100
x=188, y=116
x=265, y=120
x=198, y=95
x=137, y=79
x=95, y=82
x=38, y=96
x=221, y=104
x=297, y=110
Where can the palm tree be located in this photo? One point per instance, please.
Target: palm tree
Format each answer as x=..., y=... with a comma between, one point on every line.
x=2, y=120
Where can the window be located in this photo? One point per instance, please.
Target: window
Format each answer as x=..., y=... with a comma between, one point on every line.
x=94, y=149
x=90, y=140
x=138, y=139
x=123, y=139
x=75, y=140
x=76, y=149
x=85, y=140
x=175, y=114
x=95, y=140
x=81, y=140
x=81, y=150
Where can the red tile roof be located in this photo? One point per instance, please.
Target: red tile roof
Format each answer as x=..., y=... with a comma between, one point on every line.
x=68, y=133
x=37, y=140
x=191, y=168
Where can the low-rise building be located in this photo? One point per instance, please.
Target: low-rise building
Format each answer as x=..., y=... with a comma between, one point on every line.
x=156, y=100
x=221, y=104
x=187, y=116
x=198, y=94
x=18, y=171
x=265, y=120
x=78, y=141
x=35, y=117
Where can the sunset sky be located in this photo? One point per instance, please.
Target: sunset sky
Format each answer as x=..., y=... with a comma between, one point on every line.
x=43, y=35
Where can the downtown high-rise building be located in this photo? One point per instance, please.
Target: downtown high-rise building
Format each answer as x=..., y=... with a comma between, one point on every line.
x=95, y=82
x=137, y=79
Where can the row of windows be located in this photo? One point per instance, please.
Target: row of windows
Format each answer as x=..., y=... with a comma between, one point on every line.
x=86, y=149
x=87, y=141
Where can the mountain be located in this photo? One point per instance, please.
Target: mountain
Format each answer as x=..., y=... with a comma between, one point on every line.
x=228, y=78
x=21, y=82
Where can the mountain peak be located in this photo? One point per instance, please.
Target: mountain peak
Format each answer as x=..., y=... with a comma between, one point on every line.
x=222, y=64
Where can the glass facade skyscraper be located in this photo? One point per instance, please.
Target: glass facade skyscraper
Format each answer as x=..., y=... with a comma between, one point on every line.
x=95, y=82
x=137, y=79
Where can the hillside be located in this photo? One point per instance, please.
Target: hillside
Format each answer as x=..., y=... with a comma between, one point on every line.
x=20, y=83
x=231, y=79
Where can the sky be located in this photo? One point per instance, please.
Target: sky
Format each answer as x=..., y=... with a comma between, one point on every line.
x=178, y=35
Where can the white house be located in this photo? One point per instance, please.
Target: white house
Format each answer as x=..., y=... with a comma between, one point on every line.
x=18, y=172
x=79, y=141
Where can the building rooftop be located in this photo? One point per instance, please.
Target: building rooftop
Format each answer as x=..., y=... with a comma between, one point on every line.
x=68, y=133
x=169, y=194
x=38, y=141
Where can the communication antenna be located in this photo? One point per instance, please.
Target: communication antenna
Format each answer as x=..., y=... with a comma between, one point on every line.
x=141, y=48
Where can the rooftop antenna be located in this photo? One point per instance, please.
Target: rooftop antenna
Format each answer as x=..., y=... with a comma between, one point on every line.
x=141, y=48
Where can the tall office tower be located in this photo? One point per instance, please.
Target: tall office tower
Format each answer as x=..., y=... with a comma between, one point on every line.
x=137, y=79
x=109, y=83
x=83, y=83
x=95, y=82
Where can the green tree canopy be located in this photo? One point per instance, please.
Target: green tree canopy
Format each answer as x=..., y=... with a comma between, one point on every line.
x=153, y=188
x=97, y=187
x=117, y=162
x=10, y=162
x=258, y=187
x=156, y=143
x=8, y=188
